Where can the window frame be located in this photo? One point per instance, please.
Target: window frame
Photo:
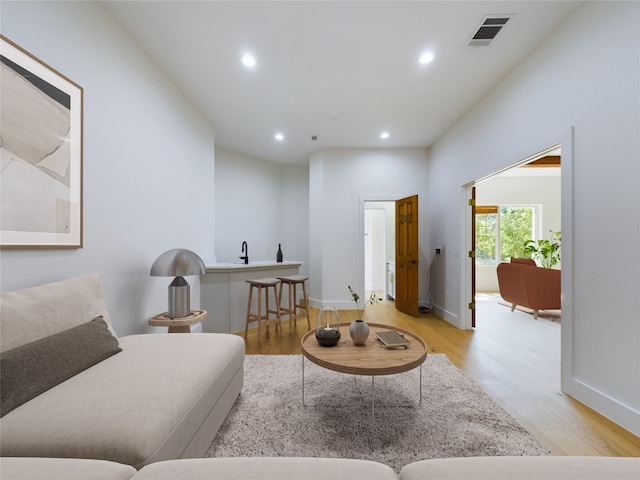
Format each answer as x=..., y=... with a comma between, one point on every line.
x=496, y=210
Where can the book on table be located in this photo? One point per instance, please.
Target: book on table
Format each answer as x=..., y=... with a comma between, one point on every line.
x=392, y=339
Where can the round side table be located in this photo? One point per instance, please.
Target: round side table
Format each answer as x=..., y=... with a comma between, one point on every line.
x=179, y=324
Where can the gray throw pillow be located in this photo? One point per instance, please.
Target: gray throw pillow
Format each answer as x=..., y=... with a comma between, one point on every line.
x=31, y=369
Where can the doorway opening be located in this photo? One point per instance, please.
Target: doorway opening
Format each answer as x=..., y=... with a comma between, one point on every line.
x=560, y=143
x=379, y=248
x=512, y=207
x=520, y=204
x=564, y=139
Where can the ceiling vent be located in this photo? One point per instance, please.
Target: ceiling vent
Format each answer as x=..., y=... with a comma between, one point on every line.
x=488, y=30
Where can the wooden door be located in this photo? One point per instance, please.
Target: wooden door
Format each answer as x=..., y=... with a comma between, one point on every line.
x=407, y=255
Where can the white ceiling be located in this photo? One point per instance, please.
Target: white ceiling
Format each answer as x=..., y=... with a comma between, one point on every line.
x=344, y=71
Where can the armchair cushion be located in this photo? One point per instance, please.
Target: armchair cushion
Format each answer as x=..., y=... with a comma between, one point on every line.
x=524, y=261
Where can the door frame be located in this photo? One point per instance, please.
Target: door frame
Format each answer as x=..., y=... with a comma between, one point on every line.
x=564, y=139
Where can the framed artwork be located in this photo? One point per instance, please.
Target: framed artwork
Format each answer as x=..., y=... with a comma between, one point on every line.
x=41, y=153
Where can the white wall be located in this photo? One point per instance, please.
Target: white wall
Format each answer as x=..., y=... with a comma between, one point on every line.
x=543, y=191
x=340, y=183
x=584, y=76
x=262, y=203
x=295, y=214
x=148, y=162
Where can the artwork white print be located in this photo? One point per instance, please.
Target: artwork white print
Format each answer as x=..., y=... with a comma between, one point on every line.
x=41, y=153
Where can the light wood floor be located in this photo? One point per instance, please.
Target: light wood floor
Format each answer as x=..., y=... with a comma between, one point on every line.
x=515, y=359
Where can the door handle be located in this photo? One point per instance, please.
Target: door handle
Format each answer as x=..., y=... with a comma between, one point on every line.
x=415, y=262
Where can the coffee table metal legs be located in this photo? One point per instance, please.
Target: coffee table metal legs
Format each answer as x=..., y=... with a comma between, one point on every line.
x=373, y=392
x=303, y=404
x=373, y=395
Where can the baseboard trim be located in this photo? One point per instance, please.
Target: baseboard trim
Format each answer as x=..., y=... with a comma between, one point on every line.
x=620, y=414
x=450, y=317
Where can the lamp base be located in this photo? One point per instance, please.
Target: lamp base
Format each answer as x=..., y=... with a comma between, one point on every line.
x=179, y=298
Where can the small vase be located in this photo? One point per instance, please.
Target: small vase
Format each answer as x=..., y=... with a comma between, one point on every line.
x=359, y=331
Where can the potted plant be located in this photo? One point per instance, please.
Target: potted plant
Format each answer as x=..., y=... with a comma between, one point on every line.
x=545, y=253
x=359, y=330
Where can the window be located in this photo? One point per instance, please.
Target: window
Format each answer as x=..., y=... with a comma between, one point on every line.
x=501, y=232
x=486, y=234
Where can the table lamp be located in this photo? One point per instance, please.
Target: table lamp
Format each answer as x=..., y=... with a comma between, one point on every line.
x=178, y=262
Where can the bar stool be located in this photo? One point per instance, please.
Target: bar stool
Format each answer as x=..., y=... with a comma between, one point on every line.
x=294, y=309
x=263, y=284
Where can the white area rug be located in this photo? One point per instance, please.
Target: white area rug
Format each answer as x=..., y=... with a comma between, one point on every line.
x=456, y=417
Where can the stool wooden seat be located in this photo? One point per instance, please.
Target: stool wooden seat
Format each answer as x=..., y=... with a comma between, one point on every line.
x=259, y=316
x=294, y=308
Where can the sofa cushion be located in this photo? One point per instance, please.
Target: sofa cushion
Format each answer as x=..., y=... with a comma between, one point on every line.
x=33, y=368
x=139, y=406
x=37, y=312
x=267, y=468
x=524, y=468
x=23, y=468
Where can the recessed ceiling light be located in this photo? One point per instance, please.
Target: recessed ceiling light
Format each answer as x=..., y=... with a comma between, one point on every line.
x=425, y=58
x=384, y=135
x=249, y=60
x=279, y=137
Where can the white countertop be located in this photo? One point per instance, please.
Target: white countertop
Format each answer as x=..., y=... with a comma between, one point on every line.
x=252, y=265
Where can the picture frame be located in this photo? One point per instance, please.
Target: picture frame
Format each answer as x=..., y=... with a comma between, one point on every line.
x=41, y=154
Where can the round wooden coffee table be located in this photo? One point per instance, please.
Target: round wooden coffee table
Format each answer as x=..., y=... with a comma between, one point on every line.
x=370, y=359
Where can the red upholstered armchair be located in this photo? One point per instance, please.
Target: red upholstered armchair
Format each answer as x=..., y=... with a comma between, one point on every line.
x=521, y=282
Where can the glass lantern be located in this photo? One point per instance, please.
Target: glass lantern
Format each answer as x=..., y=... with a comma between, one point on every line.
x=328, y=327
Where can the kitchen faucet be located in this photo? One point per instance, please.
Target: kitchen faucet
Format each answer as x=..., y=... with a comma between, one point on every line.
x=245, y=250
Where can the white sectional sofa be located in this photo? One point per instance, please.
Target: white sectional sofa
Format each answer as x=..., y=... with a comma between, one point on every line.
x=289, y=468
x=163, y=396
x=78, y=403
